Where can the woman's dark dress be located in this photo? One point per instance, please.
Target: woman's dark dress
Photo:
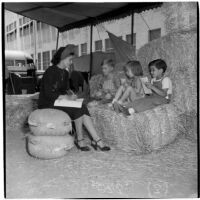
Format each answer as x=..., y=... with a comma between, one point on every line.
x=55, y=82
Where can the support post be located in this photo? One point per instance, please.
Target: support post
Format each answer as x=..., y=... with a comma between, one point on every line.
x=91, y=56
x=35, y=42
x=57, y=40
x=132, y=26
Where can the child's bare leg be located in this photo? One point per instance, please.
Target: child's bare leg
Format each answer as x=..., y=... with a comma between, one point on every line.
x=119, y=93
x=126, y=94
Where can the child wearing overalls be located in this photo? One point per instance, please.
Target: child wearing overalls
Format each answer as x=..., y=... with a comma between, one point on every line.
x=161, y=88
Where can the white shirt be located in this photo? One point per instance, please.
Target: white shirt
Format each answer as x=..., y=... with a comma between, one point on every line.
x=166, y=84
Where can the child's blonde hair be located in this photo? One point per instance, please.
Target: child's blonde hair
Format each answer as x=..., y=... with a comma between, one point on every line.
x=109, y=62
x=135, y=67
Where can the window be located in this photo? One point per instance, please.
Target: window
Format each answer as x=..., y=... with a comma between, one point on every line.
x=24, y=20
x=9, y=62
x=39, y=61
x=20, y=62
x=76, y=50
x=21, y=32
x=154, y=34
x=108, y=45
x=15, y=25
x=38, y=26
x=84, y=49
x=46, y=59
x=98, y=45
x=20, y=21
x=31, y=27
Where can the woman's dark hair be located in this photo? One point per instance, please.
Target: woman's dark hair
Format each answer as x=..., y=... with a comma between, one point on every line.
x=109, y=62
x=135, y=67
x=159, y=64
x=57, y=56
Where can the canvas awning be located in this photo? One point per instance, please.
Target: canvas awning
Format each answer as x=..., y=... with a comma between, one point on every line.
x=66, y=16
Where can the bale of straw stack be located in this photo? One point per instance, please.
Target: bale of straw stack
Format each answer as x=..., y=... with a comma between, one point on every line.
x=49, y=122
x=188, y=125
x=17, y=109
x=142, y=132
x=49, y=147
x=152, y=129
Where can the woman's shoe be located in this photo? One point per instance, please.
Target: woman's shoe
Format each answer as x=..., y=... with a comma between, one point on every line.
x=84, y=148
x=96, y=146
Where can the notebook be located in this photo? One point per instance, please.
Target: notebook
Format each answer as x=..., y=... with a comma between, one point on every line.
x=69, y=103
x=146, y=90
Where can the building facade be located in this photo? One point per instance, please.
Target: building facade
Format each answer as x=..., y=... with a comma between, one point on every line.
x=39, y=39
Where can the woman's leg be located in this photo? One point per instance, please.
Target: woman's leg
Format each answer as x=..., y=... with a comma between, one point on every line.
x=79, y=130
x=90, y=127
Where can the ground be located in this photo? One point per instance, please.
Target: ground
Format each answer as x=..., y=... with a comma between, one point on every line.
x=170, y=172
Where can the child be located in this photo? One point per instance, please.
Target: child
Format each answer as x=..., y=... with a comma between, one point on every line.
x=109, y=83
x=161, y=88
x=131, y=89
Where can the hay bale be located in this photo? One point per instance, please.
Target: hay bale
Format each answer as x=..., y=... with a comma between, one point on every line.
x=188, y=125
x=49, y=122
x=141, y=133
x=49, y=147
x=18, y=108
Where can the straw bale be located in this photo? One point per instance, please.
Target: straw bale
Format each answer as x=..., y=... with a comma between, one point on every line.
x=18, y=108
x=49, y=147
x=49, y=122
x=188, y=125
x=95, y=83
x=141, y=133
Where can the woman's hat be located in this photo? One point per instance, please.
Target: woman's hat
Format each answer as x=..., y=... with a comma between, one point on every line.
x=69, y=50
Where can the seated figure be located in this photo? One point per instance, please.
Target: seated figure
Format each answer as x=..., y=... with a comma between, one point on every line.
x=109, y=83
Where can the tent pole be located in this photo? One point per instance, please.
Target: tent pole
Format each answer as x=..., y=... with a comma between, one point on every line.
x=132, y=26
x=91, y=56
x=57, y=39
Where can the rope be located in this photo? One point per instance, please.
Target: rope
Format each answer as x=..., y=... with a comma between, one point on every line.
x=145, y=21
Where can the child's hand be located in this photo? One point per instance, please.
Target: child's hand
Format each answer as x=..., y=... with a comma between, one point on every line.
x=149, y=85
x=108, y=96
x=99, y=94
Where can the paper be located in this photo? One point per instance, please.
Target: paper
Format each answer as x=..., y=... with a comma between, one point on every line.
x=146, y=90
x=69, y=103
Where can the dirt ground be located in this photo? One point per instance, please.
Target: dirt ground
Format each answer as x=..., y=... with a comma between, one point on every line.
x=170, y=172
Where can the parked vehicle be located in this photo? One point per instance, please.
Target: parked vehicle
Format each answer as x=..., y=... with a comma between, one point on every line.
x=22, y=73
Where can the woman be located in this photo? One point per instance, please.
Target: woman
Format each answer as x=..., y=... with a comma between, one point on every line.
x=54, y=85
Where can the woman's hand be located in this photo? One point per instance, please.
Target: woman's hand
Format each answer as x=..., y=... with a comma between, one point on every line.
x=73, y=97
x=62, y=97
